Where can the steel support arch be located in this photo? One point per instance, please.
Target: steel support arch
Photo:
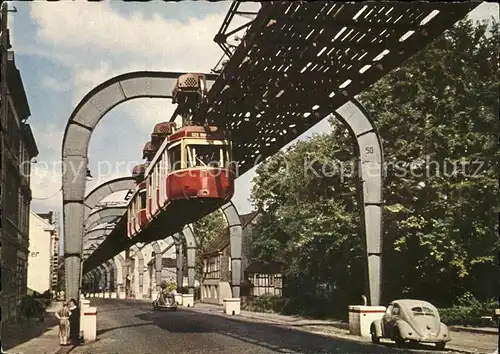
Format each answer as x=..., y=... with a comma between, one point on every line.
x=169, y=246
x=78, y=132
x=107, y=268
x=140, y=265
x=121, y=274
x=95, y=278
x=102, y=277
x=235, y=241
x=371, y=162
x=94, y=236
x=107, y=213
x=158, y=262
x=114, y=278
x=179, y=259
x=147, y=251
x=191, y=246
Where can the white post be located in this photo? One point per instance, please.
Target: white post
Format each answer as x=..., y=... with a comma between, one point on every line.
x=90, y=324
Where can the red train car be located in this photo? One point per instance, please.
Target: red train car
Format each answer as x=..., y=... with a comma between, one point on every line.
x=187, y=175
x=193, y=163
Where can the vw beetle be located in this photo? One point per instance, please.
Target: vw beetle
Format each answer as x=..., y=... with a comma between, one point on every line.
x=411, y=320
x=165, y=302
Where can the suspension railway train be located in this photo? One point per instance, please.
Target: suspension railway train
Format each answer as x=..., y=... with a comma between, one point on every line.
x=188, y=174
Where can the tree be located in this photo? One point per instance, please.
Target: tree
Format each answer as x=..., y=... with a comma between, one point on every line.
x=307, y=197
x=438, y=118
x=442, y=182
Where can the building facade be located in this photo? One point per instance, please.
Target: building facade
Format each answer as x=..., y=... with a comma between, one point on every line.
x=43, y=260
x=216, y=258
x=40, y=253
x=17, y=148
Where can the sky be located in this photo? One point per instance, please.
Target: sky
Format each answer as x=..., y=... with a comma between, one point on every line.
x=64, y=49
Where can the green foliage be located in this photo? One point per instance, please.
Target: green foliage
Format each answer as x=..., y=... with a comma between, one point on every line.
x=170, y=286
x=468, y=311
x=437, y=116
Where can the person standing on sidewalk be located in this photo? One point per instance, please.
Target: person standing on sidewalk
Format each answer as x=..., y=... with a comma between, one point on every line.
x=74, y=322
x=63, y=317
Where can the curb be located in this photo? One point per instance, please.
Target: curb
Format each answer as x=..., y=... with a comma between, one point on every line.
x=313, y=329
x=491, y=331
x=65, y=350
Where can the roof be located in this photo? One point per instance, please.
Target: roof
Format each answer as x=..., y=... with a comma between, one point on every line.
x=29, y=140
x=46, y=216
x=169, y=263
x=41, y=217
x=223, y=239
x=266, y=268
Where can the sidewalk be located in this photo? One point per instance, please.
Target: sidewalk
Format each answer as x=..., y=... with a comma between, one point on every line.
x=485, y=342
x=38, y=338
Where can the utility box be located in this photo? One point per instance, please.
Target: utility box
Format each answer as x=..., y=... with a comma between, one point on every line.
x=90, y=324
x=232, y=306
x=361, y=318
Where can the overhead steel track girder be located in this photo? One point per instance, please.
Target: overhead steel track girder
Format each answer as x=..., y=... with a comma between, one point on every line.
x=104, y=215
x=252, y=97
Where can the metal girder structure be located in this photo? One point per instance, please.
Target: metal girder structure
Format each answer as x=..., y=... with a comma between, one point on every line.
x=158, y=262
x=191, y=245
x=121, y=273
x=81, y=124
x=107, y=269
x=106, y=189
x=371, y=161
x=301, y=61
x=224, y=33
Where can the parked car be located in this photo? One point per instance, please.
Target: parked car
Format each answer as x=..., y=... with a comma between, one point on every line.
x=411, y=320
x=165, y=302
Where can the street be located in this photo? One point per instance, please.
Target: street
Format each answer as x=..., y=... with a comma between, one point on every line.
x=132, y=327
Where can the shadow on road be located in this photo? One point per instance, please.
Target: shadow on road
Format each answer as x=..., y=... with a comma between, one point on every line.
x=270, y=336
x=16, y=334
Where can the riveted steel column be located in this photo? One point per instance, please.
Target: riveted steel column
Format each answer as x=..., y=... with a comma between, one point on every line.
x=236, y=239
x=370, y=169
x=79, y=128
x=158, y=262
x=179, y=260
x=191, y=246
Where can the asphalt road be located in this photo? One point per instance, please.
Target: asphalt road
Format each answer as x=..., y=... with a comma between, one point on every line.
x=130, y=327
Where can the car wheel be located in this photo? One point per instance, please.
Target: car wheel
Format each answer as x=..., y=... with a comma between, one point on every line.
x=397, y=338
x=375, y=339
x=440, y=345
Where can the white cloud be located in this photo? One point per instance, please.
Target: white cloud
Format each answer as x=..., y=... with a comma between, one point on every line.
x=56, y=85
x=95, y=43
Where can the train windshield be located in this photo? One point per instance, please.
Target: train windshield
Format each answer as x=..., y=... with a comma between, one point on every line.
x=207, y=155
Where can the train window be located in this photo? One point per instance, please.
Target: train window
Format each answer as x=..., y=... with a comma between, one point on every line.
x=174, y=158
x=143, y=200
x=204, y=156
